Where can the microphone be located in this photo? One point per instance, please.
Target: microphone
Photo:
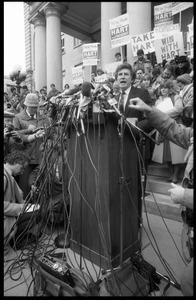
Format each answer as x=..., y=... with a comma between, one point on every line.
x=86, y=89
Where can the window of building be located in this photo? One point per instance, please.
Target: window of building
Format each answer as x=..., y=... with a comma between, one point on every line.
x=77, y=42
x=62, y=44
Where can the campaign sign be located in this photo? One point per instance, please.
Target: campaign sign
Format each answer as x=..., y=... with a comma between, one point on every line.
x=90, y=54
x=163, y=31
x=144, y=41
x=119, y=31
x=111, y=68
x=77, y=75
x=163, y=14
x=168, y=47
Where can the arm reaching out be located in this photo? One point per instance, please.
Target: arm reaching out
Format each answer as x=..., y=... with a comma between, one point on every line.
x=138, y=104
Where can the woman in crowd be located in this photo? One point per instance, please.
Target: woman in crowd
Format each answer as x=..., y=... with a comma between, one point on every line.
x=146, y=83
x=167, y=152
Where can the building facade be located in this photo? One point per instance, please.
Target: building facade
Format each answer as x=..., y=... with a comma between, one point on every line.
x=56, y=31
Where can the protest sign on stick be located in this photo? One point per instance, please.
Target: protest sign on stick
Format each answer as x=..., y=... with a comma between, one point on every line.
x=144, y=41
x=168, y=47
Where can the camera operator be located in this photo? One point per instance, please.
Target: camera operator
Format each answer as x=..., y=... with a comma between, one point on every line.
x=13, y=139
x=182, y=136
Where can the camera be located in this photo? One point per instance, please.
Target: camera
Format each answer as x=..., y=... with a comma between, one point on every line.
x=10, y=128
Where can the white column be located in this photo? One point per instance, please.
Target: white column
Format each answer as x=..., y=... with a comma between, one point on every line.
x=53, y=47
x=40, y=52
x=140, y=22
x=109, y=10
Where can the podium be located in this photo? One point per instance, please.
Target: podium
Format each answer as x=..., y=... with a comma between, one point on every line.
x=105, y=193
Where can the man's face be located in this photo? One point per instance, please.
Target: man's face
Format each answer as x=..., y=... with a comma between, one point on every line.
x=124, y=79
x=166, y=74
x=118, y=57
x=180, y=85
x=32, y=110
x=19, y=167
x=140, y=57
x=139, y=74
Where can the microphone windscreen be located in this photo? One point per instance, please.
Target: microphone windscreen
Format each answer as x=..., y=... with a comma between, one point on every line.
x=86, y=89
x=72, y=91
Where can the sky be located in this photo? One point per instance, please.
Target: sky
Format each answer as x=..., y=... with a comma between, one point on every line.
x=14, y=36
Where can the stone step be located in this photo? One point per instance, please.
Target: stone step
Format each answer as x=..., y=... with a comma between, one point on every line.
x=158, y=185
x=162, y=170
x=161, y=205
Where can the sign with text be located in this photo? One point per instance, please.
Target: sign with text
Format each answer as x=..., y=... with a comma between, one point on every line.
x=90, y=54
x=111, y=68
x=144, y=41
x=101, y=78
x=180, y=6
x=163, y=31
x=169, y=46
x=163, y=14
x=119, y=31
x=77, y=75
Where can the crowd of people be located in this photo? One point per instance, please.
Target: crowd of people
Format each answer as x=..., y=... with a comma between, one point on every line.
x=164, y=91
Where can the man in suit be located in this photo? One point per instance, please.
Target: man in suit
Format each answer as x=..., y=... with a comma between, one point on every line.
x=124, y=77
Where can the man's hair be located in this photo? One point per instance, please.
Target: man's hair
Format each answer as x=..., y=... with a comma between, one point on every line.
x=52, y=84
x=117, y=54
x=17, y=156
x=140, y=52
x=123, y=66
x=139, y=69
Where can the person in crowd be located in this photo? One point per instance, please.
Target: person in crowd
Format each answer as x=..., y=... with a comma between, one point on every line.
x=183, y=137
x=93, y=77
x=30, y=115
x=100, y=72
x=118, y=56
x=45, y=88
x=142, y=62
x=168, y=72
x=183, y=66
x=23, y=93
x=43, y=95
x=37, y=93
x=185, y=86
x=50, y=181
x=156, y=73
x=16, y=223
x=124, y=77
x=66, y=87
x=6, y=101
x=146, y=83
x=167, y=152
x=13, y=92
x=53, y=92
x=13, y=140
x=116, y=88
x=15, y=103
x=137, y=76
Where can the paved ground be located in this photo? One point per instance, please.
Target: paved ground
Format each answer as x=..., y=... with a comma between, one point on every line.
x=18, y=280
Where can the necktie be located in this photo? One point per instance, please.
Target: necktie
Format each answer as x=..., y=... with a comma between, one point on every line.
x=121, y=102
x=32, y=117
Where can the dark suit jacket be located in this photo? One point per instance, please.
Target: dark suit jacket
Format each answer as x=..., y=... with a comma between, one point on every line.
x=142, y=123
x=144, y=95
